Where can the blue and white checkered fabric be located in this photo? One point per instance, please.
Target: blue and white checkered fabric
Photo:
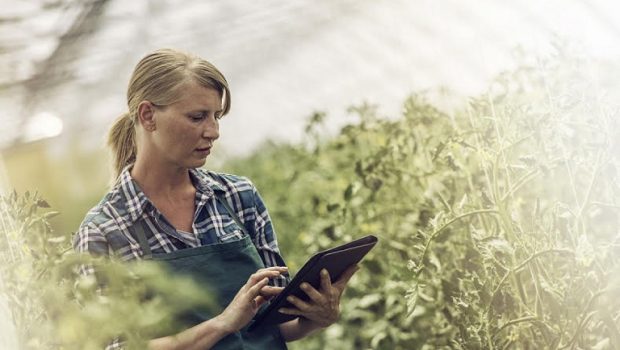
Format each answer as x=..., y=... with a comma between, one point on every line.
x=105, y=231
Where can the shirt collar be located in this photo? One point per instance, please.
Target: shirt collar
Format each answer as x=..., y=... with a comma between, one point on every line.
x=135, y=201
x=205, y=183
x=132, y=196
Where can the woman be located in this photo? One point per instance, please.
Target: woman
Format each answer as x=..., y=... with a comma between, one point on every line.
x=215, y=226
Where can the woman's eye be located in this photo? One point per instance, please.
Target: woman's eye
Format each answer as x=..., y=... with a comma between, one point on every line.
x=197, y=117
x=204, y=115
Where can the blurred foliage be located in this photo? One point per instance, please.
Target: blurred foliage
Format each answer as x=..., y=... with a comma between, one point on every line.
x=54, y=307
x=70, y=178
x=498, y=224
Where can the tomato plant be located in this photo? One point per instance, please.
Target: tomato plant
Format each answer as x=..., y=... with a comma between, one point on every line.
x=498, y=222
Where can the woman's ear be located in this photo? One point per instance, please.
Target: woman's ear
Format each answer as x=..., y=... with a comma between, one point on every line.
x=146, y=112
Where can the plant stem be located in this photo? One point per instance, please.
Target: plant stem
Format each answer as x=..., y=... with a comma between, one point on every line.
x=443, y=227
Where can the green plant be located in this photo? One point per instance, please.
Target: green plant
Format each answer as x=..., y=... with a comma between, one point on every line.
x=498, y=222
x=53, y=307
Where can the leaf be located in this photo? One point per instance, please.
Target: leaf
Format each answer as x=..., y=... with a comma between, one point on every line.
x=462, y=202
x=376, y=340
x=412, y=298
x=41, y=203
x=369, y=300
x=332, y=207
x=500, y=245
x=351, y=190
x=398, y=245
x=375, y=184
x=603, y=344
x=50, y=214
x=436, y=219
x=56, y=240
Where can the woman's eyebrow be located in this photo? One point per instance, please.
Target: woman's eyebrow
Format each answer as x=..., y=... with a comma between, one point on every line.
x=204, y=110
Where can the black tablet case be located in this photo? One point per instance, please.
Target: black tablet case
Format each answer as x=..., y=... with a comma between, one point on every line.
x=335, y=260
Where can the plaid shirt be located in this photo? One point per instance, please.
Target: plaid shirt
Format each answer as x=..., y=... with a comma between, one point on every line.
x=105, y=231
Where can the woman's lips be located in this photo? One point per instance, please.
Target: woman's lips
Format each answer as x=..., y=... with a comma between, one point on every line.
x=204, y=150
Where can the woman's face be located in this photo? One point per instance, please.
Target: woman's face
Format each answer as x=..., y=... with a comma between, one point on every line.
x=184, y=131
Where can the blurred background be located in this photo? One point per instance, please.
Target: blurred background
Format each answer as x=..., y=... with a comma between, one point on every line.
x=65, y=65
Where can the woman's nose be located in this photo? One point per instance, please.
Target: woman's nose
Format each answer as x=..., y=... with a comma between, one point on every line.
x=211, y=129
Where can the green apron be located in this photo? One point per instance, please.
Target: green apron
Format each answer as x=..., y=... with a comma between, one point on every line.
x=224, y=268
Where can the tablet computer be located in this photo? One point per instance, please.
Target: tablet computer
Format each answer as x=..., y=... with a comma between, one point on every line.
x=335, y=260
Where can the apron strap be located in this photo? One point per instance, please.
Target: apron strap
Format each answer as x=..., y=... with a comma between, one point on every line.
x=146, y=248
x=144, y=244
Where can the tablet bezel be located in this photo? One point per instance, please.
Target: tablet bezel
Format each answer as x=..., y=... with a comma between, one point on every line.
x=362, y=245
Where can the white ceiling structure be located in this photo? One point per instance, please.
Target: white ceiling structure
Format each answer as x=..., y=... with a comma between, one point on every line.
x=65, y=64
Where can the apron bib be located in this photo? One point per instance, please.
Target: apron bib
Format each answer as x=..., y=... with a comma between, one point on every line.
x=223, y=268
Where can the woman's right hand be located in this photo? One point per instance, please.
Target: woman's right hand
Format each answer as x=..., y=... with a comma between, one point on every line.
x=249, y=299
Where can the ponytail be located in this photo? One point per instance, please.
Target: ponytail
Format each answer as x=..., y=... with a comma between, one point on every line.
x=122, y=141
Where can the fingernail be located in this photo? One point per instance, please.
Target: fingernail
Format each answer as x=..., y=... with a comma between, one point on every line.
x=324, y=272
x=304, y=285
x=289, y=298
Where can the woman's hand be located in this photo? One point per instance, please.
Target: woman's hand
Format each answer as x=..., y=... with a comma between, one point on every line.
x=249, y=299
x=238, y=313
x=323, y=308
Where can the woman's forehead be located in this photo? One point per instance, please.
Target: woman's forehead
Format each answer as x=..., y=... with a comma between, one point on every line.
x=193, y=95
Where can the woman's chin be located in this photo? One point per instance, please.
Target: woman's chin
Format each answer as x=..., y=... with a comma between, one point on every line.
x=197, y=163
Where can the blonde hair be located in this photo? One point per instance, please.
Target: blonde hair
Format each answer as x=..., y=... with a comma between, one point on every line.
x=157, y=78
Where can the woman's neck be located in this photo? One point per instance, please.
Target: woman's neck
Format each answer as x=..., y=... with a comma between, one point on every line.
x=161, y=180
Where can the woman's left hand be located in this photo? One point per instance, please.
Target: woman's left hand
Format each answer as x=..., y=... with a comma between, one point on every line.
x=323, y=308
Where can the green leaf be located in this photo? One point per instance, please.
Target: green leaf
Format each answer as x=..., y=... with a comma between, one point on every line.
x=332, y=207
x=43, y=204
x=57, y=240
x=50, y=214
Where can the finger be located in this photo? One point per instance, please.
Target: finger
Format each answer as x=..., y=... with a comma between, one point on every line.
x=290, y=311
x=274, y=269
x=326, y=282
x=269, y=291
x=346, y=276
x=254, y=291
x=260, y=274
x=313, y=293
x=300, y=304
x=259, y=301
